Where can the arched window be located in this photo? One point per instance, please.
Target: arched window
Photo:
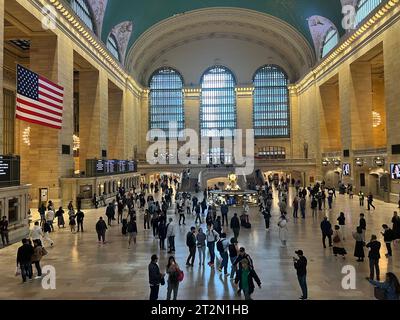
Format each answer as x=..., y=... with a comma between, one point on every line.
x=113, y=46
x=81, y=8
x=271, y=117
x=364, y=8
x=166, y=101
x=331, y=40
x=218, y=103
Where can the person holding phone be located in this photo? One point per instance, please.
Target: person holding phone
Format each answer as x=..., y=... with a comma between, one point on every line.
x=300, y=264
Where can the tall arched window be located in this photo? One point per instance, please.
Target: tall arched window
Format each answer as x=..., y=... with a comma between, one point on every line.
x=330, y=41
x=81, y=8
x=271, y=117
x=364, y=8
x=218, y=103
x=166, y=101
x=113, y=46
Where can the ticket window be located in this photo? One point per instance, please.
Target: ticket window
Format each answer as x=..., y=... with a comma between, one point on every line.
x=13, y=208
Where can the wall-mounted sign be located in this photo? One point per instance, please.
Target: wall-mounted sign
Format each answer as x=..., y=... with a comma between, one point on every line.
x=96, y=168
x=346, y=169
x=9, y=171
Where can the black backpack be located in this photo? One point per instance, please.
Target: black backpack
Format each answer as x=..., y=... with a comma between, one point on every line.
x=220, y=246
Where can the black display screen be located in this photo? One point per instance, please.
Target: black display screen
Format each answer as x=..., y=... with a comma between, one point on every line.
x=96, y=167
x=9, y=171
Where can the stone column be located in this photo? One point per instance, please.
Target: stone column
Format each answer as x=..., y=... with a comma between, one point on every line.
x=143, y=125
x=116, y=126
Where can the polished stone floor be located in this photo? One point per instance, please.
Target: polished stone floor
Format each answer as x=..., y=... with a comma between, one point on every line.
x=87, y=270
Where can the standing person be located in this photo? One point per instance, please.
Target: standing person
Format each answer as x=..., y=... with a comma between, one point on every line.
x=212, y=238
x=120, y=207
x=171, y=235
x=245, y=277
x=388, y=238
x=155, y=222
x=110, y=213
x=342, y=224
x=363, y=225
x=72, y=221
x=330, y=198
x=155, y=278
x=267, y=218
x=370, y=201
x=24, y=260
x=327, y=231
x=396, y=227
x=42, y=212
x=303, y=207
x=197, y=210
x=50, y=218
x=181, y=214
x=233, y=254
x=174, y=274
x=314, y=205
x=338, y=247
x=46, y=233
x=374, y=247
x=295, y=206
x=4, y=231
x=359, y=248
x=188, y=206
x=101, y=228
x=218, y=225
x=391, y=286
x=36, y=233
x=224, y=213
x=146, y=220
x=191, y=244
x=201, y=246
x=283, y=230
x=79, y=219
x=132, y=231
x=162, y=233
x=222, y=246
x=235, y=225
x=361, y=198
x=300, y=264
x=60, y=218
x=38, y=253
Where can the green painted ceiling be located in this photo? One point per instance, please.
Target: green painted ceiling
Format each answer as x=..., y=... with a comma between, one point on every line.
x=145, y=13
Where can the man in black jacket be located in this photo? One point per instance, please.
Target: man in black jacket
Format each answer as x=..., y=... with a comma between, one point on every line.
x=155, y=278
x=374, y=245
x=235, y=225
x=79, y=219
x=110, y=213
x=326, y=229
x=101, y=228
x=300, y=265
x=363, y=225
x=191, y=243
x=24, y=257
x=224, y=212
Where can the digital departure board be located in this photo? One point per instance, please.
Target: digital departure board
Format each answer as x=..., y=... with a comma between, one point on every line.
x=9, y=171
x=96, y=168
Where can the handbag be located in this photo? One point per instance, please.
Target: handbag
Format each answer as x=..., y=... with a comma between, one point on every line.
x=181, y=276
x=17, y=271
x=379, y=293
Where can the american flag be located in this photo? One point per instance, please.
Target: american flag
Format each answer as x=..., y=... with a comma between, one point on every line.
x=39, y=100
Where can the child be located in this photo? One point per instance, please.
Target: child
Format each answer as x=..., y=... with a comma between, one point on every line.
x=72, y=222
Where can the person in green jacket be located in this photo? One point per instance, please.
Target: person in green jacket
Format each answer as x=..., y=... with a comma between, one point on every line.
x=245, y=277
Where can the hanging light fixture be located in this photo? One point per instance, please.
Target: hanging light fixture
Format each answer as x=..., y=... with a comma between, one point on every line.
x=26, y=136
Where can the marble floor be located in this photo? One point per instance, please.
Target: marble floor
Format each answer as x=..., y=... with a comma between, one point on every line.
x=87, y=270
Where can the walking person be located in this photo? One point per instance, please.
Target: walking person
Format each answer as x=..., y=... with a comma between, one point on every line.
x=370, y=201
x=224, y=213
x=327, y=232
x=233, y=254
x=359, y=248
x=267, y=218
x=36, y=233
x=79, y=219
x=146, y=220
x=198, y=211
x=374, y=247
x=295, y=207
x=171, y=235
x=222, y=247
x=300, y=264
x=338, y=247
x=388, y=238
x=212, y=238
x=191, y=244
x=363, y=225
x=38, y=253
x=361, y=198
x=303, y=207
x=46, y=233
x=132, y=231
x=72, y=221
x=162, y=233
x=174, y=277
x=342, y=224
x=101, y=228
x=24, y=260
x=50, y=218
x=4, y=231
x=390, y=288
x=181, y=214
x=60, y=218
x=245, y=277
x=155, y=278
x=283, y=230
x=110, y=213
x=201, y=246
x=235, y=225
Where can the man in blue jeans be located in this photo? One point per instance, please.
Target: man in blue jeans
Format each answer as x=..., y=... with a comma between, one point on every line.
x=212, y=237
x=24, y=259
x=300, y=265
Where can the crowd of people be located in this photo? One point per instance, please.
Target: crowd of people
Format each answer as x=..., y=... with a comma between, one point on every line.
x=209, y=232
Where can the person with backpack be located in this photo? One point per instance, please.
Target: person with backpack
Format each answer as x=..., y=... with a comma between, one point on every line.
x=191, y=244
x=235, y=225
x=338, y=247
x=38, y=253
x=222, y=247
x=175, y=275
x=212, y=237
x=233, y=254
x=79, y=219
x=201, y=246
x=101, y=228
x=132, y=232
x=388, y=238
